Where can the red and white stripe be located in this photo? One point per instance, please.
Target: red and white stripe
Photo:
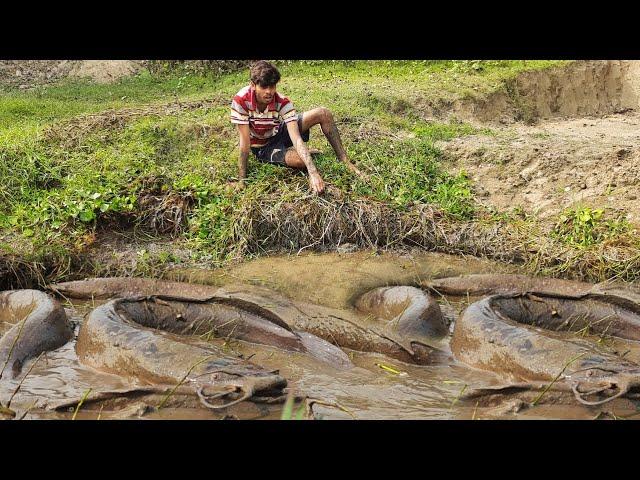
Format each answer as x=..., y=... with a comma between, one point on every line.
x=262, y=125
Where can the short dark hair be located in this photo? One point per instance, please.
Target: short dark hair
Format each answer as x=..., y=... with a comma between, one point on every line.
x=264, y=73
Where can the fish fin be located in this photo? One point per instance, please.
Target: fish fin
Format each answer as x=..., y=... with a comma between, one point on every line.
x=16, y=368
x=324, y=351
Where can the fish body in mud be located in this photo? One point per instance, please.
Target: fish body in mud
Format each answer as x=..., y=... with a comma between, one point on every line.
x=339, y=327
x=343, y=328
x=111, y=287
x=41, y=325
x=111, y=339
x=610, y=293
x=220, y=317
x=491, y=284
x=413, y=315
x=409, y=310
x=535, y=338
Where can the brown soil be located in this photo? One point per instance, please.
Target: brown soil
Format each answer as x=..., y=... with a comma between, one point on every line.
x=105, y=71
x=583, y=88
x=25, y=74
x=579, y=151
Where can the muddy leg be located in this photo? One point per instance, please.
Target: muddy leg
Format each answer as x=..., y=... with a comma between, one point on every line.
x=324, y=118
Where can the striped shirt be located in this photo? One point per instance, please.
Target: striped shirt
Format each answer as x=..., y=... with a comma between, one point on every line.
x=262, y=125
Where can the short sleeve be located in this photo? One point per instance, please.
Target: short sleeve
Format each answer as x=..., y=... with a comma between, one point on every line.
x=239, y=114
x=287, y=111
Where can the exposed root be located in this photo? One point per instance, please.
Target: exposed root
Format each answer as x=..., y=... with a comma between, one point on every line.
x=165, y=213
x=319, y=223
x=322, y=223
x=16, y=273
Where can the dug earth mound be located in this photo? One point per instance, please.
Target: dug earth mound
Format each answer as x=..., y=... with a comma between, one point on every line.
x=25, y=74
x=559, y=138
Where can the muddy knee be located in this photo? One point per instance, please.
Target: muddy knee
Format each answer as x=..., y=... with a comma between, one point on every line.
x=325, y=114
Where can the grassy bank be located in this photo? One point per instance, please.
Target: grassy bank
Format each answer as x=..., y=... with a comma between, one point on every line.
x=152, y=157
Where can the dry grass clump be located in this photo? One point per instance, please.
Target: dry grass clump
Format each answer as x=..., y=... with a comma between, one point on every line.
x=165, y=213
x=276, y=225
x=16, y=273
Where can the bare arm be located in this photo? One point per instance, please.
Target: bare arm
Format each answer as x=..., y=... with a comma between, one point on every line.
x=315, y=180
x=301, y=147
x=245, y=148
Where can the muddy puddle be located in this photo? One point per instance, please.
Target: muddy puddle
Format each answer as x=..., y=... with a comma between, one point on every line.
x=378, y=387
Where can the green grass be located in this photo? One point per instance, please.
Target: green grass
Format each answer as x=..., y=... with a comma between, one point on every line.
x=62, y=194
x=341, y=85
x=288, y=413
x=583, y=227
x=52, y=196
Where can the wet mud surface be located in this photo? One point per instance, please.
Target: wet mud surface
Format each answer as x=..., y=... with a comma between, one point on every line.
x=377, y=387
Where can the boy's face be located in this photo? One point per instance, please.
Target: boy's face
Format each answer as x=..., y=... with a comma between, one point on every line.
x=264, y=95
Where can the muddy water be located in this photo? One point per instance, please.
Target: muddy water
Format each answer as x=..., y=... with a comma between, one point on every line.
x=337, y=279
x=378, y=388
x=369, y=391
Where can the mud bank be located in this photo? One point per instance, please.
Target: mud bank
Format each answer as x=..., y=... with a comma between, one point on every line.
x=582, y=88
x=555, y=165
x=561, y=138
x=26, y=74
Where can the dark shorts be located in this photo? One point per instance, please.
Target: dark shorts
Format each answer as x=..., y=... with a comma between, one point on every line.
x=275, y=151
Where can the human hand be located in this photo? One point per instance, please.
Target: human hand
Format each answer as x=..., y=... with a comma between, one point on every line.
x=316, y=183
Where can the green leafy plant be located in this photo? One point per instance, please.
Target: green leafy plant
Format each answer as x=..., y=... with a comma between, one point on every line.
x=583, y=226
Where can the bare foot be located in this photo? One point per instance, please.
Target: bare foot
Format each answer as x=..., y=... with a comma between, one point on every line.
x=315, y=151
x=237, y=186
x=355, y=170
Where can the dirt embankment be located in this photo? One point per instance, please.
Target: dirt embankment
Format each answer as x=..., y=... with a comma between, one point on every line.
x=580, y=143
x=584, y=88
x=26, y=74
x=562, y=137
